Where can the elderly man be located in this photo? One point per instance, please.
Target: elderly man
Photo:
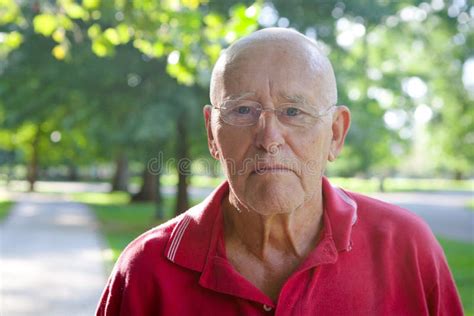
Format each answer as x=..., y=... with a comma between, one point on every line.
x=277, y=237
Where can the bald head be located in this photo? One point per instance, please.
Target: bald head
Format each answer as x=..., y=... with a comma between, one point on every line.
x=276, y=50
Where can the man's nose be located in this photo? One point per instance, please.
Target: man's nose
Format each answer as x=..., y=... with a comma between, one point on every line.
x=269, y=132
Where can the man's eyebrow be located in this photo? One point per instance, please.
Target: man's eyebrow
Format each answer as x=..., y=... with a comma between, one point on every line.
x=239, y=96
x=296, y=98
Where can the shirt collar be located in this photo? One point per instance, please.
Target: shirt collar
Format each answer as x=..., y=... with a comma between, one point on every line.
x=341, y=214
x=191, y=238
x=196, y=231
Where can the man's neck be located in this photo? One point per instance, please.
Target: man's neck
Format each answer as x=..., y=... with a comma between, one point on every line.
x=291, y=234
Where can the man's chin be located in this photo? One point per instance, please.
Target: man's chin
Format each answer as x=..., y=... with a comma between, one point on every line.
x=275, y=198
x=268, y=208
x=275, y=184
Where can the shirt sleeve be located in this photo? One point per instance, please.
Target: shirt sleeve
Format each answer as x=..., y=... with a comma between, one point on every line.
x=130, y=290
x=111, y=299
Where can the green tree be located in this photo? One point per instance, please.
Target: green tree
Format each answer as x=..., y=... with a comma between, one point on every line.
x=114, y=91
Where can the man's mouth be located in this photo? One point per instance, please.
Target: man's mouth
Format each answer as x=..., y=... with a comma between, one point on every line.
x=272, y=169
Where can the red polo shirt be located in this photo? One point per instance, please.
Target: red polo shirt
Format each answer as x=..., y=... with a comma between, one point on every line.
x=373, y=259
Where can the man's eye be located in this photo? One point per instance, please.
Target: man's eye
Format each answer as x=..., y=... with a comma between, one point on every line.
x=292, y=111
x=243, y=109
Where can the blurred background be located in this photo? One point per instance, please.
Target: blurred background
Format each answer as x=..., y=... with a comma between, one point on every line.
x=101, y=109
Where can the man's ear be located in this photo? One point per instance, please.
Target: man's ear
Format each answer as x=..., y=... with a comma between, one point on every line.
x=211, y=143
x=340, y=127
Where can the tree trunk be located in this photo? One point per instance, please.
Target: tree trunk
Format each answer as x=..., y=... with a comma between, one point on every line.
x=159, y=214
x=72, y=172
x=183, y=166
x=11, y=166
x=120, y=180
x=458, y=175
x=32, y=174
x=149, y=189
x=382, y=183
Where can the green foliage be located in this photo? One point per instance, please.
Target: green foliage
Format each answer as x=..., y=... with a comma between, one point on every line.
x=10, y=41
x=126, y=99
x=45, y=24
x=118, y=75
x=10, y=12
x=187, y=30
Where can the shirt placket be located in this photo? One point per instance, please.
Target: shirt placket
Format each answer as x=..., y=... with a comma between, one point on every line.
x=294, y=296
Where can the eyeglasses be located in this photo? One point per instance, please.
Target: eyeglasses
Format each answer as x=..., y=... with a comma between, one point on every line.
x=247, y=113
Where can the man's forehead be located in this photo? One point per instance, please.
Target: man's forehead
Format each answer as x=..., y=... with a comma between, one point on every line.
x=284, y=54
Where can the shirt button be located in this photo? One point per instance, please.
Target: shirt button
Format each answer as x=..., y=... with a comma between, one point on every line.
x=267, y=308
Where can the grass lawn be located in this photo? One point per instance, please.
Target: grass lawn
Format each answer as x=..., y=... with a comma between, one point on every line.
x=5, y=208
x=461, y=261
x=195, y=181
x=122, y=222
x=114, y=198
x=470, y=205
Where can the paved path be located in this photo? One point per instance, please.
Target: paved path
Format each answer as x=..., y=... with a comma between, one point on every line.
x=50, y=259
